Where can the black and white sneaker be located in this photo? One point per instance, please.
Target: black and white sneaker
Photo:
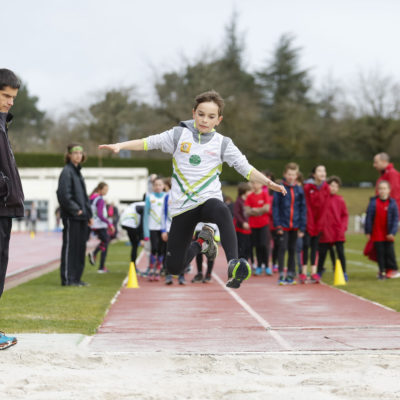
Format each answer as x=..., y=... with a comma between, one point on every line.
x=239, y=270
x=209, y=247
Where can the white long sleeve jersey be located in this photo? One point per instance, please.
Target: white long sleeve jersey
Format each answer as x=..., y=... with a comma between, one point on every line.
x=197, y=164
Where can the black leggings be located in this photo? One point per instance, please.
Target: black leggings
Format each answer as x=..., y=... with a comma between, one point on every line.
x=157, y=244
x=288, y=241
x=180, y=248
x=260, y=240
x=385, y=256
x=104, y=237
x=310, y=242
x=134, y=238
x=323, y=251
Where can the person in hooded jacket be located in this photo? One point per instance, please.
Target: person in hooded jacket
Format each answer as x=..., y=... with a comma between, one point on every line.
x=76, y=214
x=11, y=193
x=333, y=231
x=317, y=193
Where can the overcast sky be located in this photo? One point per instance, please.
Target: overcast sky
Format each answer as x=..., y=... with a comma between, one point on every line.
x=67, y=50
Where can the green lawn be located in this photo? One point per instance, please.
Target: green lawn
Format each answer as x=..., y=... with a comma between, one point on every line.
x=362, y=275
x=42, y=305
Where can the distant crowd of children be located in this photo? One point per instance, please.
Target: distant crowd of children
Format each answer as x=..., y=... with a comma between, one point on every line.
x=290, y=235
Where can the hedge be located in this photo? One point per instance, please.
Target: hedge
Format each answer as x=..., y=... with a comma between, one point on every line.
x=351, y=172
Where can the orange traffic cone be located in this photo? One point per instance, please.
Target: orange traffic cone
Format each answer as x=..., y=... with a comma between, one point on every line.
x=338, y=279
x=132, y=278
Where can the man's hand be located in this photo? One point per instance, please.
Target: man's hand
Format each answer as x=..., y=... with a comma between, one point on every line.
x=91, y=222
x=115, y=148
x=80, y=212
x=164, y=236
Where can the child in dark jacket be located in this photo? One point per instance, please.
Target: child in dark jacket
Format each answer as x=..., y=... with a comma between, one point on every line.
x=289, y=215
x=333, y=232
x=381, y=225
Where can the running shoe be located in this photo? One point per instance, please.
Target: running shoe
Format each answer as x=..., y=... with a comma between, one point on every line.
x=275, y=268
x=346, y=278
x=268, y=271
x=102, y=270
x=168, y=280
x=181, y=280
x=258, y=271
x=315, y=278
x=302, y=278
x=156, y=276
x=209, y=247
x=207, y=278
x=239, y=270
x=6, y=341
x=281, y=280
x=198, y=278
x=92, y=258
x=290, y=281
x=392, y=274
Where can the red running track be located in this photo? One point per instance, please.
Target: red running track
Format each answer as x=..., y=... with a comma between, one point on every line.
x=259, y=317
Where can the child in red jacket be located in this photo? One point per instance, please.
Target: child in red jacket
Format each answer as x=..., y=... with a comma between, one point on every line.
x=257, y=206
x=317, y=193
x=336, y=222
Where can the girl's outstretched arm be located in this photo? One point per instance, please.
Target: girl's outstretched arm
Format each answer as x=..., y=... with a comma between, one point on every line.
x=257, y=176
x=136, y=145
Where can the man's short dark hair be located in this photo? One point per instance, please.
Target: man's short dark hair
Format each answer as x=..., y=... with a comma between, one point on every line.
x=8, y=78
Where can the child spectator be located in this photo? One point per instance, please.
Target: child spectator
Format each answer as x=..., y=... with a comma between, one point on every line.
x=257, y=206
x=381, y=226
x=300, y=239
x=335, y=227
x=241, y=222
x=199, y=277
x=132, y=222
x=165, y=227
x=152, y=217
x=198, y=152
x=289, y=215
x=101, y=227
x=317, y=193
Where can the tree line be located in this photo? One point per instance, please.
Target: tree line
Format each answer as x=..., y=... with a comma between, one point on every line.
x=276, y=112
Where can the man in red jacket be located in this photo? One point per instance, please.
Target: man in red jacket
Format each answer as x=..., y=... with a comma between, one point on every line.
x=388, y=173
x=335, y=227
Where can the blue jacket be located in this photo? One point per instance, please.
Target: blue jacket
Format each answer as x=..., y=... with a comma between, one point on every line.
x=392, y=216
x=290, y=211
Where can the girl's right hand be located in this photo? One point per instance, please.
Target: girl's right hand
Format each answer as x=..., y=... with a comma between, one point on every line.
x=115, y=148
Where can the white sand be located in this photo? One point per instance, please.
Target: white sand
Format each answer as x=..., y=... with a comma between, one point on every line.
x=61, y=367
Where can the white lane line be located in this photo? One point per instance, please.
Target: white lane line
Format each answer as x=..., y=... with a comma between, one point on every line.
x=281, y=341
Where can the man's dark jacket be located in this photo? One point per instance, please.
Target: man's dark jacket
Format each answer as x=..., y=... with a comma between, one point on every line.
x=71, y=194
x=11, y=193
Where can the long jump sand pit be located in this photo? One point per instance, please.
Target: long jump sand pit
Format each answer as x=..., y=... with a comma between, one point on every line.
x=42, y=367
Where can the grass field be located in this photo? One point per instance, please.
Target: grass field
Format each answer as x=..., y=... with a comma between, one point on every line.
x=42, y=305
x=356, y=198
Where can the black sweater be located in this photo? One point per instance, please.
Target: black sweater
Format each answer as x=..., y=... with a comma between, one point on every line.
x=11, y=193
x=71, y=194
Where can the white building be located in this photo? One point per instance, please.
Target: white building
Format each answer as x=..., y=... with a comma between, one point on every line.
x=40, y=186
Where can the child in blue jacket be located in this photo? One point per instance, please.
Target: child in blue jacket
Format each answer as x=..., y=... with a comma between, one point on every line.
x=289, y=215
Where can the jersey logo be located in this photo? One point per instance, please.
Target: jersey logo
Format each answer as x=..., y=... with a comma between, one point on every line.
x=185, y=147
x=195, y=159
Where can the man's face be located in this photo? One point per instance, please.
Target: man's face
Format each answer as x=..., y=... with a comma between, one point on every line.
x=206, y=116
x=7, y=97
x=379, y=164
